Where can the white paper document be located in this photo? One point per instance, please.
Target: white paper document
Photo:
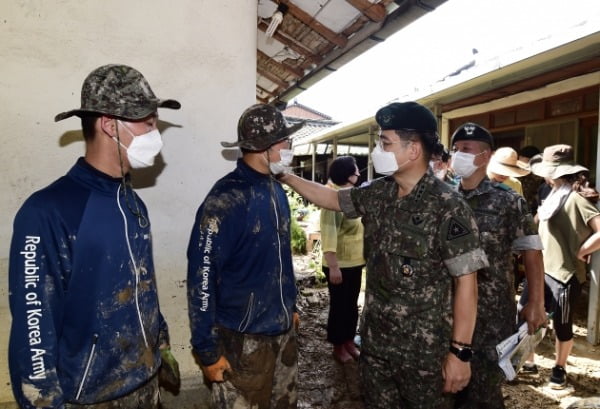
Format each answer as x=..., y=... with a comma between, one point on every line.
x=514, y=350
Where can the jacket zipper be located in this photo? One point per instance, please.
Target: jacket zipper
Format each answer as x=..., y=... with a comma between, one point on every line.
x=246, y=318
x=87, y=366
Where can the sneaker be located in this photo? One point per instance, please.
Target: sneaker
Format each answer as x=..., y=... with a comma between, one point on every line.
x=529, y=369
x=558, y=379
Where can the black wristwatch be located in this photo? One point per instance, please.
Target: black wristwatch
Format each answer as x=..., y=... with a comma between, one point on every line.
x=464, y=353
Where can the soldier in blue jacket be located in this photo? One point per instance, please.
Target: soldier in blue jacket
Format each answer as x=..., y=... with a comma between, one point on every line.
x=241, y=286
x=86, y=324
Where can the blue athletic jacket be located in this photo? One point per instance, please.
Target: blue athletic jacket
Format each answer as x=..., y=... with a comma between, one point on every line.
x=77, y=334
x=240, y=271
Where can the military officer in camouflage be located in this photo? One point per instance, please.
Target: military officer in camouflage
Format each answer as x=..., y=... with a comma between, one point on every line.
x=423, y=240
x=505, y=226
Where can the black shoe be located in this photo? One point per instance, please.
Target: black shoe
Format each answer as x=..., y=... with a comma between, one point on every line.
x=529, y=369
x=558, y=379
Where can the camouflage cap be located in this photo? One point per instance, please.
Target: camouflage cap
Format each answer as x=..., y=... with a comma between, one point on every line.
x=261, y=126
x=120, y=91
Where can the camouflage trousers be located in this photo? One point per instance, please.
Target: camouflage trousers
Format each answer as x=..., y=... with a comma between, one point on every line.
x=145, y=397
x=403, y=384
x=264, y=372
x=485, y=388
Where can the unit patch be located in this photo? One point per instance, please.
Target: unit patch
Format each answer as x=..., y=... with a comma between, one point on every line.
x=456, y=230
x=417, y=219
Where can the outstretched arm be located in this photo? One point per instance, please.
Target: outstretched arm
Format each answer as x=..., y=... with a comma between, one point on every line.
x=321, y=195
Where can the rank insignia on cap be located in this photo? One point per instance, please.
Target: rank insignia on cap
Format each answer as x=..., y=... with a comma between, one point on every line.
x=417, y=219
x=469, y=129
x=456, y=230
x=387, y=118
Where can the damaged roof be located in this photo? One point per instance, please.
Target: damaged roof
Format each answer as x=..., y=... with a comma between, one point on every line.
x=302, y=41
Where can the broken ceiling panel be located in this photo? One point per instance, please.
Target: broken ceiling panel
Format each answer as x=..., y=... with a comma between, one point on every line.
x=311, y=37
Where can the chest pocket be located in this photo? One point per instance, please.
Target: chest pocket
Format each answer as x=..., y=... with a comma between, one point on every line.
x=405, y=260
x=490, y=230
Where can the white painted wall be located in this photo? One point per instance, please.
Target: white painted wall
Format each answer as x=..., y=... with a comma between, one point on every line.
x=202, y=53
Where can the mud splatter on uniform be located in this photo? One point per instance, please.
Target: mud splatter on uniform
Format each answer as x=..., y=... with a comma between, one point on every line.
x=241, y=288
x=76, y=333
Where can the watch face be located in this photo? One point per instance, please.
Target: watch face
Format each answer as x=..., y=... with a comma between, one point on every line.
x=465, y=354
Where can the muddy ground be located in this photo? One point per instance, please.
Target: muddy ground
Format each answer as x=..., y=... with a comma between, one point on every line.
x=326, y=384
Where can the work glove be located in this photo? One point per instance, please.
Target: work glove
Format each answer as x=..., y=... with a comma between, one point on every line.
x=169, y=369
x=214, y=372
x=296, y=321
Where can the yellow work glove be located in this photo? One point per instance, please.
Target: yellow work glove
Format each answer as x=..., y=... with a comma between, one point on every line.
x=296, y=320
x=214, y=372
x=169, y=368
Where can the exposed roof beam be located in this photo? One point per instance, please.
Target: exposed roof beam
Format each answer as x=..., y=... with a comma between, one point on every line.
x=263, y=90
x=294, y=71
x=307, y=19
x=272, y=78
x=262, y=100
x=376, y=12
x=292, y=44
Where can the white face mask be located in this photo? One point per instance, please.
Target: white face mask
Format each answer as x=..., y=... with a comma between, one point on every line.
x=384, y=162
x=286, y=156
x=463, y=164
x=143, y=148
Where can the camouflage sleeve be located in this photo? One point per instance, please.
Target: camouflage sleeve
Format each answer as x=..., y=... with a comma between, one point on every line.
x=526, y=233
x=346, y=200
x=461, y=249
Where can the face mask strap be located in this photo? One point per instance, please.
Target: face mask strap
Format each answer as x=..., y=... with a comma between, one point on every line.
x=126, y=184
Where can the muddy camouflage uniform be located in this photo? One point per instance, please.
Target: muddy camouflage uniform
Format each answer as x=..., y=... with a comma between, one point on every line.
x=505, y=225
x=416, y=244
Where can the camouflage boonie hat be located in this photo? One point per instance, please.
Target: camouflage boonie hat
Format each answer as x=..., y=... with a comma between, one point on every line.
x=120, y=91
x=261, y=126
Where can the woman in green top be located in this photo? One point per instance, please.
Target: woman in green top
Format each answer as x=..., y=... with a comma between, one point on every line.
x=569, y=227
x=342, y=245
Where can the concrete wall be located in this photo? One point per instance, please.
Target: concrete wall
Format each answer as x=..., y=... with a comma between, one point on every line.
x=202, y=53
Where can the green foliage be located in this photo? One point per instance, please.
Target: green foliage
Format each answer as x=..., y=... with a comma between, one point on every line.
x=300, y=209
x=298, y=238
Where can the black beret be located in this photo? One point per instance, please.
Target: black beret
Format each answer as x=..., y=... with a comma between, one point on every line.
x=406, y=115
x=472, y=132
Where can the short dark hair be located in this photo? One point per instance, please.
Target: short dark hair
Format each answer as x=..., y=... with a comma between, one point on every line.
x=428, y=139
x=341, y=169
x=529, y=151
x=88, y=126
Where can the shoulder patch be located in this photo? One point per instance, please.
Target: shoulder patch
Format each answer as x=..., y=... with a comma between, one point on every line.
x=456, y=230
